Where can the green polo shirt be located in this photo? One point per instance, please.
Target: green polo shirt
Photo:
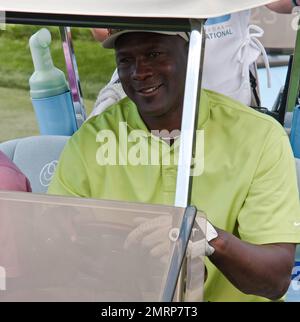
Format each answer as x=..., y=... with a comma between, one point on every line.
x=246, y=182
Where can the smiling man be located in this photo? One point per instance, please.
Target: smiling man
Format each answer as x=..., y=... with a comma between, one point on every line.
x=153, y=74
x=248, y=188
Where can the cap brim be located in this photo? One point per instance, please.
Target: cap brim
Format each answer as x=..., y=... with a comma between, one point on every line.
x=110, y=41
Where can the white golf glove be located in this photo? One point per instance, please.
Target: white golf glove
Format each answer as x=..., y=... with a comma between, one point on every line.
x=152, y=234
x=111, y=94
x=195, y=245
x=158, y=235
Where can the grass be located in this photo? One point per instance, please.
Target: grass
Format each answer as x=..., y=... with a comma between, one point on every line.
x=17, y=115
x=95, y=66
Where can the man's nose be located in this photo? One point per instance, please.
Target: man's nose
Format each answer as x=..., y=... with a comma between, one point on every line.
x=142, y=69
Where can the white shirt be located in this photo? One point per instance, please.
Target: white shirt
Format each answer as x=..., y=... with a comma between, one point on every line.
x=230, y=50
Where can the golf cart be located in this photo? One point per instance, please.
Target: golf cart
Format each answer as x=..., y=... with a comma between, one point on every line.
x=65, y=248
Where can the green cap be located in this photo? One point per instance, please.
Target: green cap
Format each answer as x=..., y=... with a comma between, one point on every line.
x=47, y=80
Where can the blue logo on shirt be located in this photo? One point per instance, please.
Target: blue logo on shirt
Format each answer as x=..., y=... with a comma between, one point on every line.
x=214, y=21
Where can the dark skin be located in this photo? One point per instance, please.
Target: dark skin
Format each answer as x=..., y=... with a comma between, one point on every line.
x=152, y=72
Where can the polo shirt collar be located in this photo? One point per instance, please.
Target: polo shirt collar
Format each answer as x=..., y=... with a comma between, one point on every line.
x=134, y=120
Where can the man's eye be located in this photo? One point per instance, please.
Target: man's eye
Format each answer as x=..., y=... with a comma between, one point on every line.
x=154, y=54
x=124, y=60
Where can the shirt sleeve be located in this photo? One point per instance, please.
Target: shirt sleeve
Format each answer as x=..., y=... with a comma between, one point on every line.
x=13, y=181
x=70, y=176
x=271, y=212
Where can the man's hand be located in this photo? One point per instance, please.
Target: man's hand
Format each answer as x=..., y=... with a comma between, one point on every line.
x=158, y=236
x=100, y=34
x=154, y=235
x=282, y=6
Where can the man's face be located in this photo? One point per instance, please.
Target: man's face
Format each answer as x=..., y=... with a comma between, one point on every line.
x=152, y=69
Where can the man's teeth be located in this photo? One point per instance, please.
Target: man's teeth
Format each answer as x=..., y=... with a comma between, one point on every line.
x=149, y=90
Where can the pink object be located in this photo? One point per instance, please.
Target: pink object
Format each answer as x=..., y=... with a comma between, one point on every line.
x=11, y=178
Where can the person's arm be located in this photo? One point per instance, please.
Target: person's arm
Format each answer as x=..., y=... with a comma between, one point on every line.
x=12, y=180
x=100, y=34
x=70, y=177
x=282, y=6
x=263, y=270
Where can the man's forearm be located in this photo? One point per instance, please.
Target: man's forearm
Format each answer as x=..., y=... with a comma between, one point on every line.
x=262, y=270
x=282, y=6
